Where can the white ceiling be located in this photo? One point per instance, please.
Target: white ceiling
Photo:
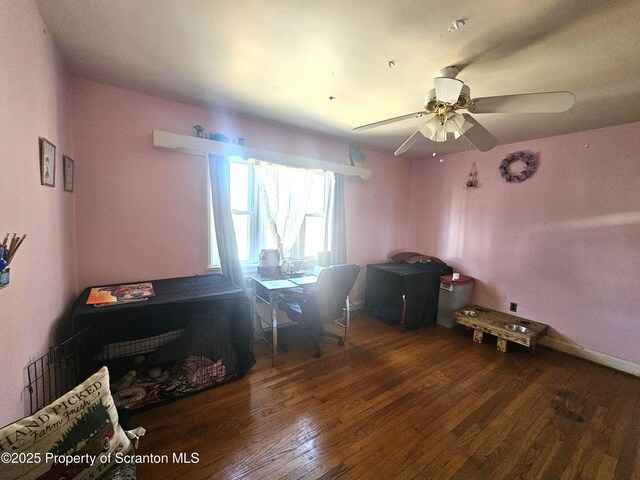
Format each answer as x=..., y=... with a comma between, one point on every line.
x=281, y=60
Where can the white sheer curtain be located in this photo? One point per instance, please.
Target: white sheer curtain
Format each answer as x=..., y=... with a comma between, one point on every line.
x=285, y=194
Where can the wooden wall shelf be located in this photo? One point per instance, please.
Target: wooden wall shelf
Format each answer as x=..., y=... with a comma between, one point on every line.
x=203, y=147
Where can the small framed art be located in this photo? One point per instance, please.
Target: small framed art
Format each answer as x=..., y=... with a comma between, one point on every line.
x=47, y=163
x=68, y=173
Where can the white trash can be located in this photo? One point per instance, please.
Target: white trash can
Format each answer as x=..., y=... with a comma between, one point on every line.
x=454, y=295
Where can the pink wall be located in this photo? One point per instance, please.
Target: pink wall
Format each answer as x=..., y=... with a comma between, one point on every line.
x=142, y=212
x=43, y=273
x=564, y=244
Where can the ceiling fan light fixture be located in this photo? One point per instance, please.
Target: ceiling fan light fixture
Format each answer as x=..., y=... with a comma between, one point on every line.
x=438, y=134
x=464, y=98
x=458, y=125
x=430, y=127
x=430, y=101
x=450, y=95
x=436, y=130
x=448, y=89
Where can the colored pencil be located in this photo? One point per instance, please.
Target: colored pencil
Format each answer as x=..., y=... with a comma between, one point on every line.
x=15, y=249
x=12, y=243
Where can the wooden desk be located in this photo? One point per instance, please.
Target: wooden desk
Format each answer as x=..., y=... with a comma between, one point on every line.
x=497, y=323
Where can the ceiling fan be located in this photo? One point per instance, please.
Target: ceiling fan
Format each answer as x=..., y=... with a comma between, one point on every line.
x=450, y=95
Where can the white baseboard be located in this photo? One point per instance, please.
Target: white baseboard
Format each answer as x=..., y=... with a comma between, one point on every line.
x=591, y=355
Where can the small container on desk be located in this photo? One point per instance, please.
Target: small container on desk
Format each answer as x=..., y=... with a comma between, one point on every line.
x=4, y=277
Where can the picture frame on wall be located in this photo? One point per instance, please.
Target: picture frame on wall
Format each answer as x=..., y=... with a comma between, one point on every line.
x=68, y=173
x=47, y=163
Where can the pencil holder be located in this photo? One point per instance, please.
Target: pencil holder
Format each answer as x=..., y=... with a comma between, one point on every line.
x=4, y=277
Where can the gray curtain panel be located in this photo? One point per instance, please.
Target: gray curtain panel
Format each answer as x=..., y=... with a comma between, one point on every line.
x=338, y=223
x=225, y=232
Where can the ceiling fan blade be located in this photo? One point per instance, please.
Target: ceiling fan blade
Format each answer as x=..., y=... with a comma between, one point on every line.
x=448, y=89
x=407, y=144
x=391, y=120
x=478, y=135
x=547, y=102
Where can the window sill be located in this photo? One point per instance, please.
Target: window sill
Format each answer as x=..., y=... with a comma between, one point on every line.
x=246, y=269
x=252, y=268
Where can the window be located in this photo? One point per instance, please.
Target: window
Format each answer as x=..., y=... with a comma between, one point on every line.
x=242, y=205
x=275, y=206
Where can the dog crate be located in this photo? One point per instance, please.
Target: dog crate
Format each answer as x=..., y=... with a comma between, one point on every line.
x=143, y=371
x=58, y=371
x=155, y=352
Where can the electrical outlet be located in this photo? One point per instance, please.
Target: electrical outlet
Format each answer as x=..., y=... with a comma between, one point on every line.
x=513, y=307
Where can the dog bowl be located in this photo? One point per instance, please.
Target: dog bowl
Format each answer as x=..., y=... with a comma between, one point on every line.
x=517, y=328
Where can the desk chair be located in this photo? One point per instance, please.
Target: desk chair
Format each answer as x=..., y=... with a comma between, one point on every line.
x=327, y=302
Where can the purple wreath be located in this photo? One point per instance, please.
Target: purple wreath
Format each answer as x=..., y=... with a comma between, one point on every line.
x=529, y=170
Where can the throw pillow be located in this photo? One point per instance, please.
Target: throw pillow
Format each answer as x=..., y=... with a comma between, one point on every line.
x=414, y=257
x=77, y=436
x=423, y=259
x=403, y=256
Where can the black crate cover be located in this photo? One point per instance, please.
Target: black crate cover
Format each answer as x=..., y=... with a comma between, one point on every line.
x=418, y=282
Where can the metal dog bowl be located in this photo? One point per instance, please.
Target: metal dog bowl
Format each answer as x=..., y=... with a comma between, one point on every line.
x=517, y=328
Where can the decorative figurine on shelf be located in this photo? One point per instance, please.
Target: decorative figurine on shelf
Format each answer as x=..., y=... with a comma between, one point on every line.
x=356, y=155
x=199, y=131
x=218, y=137
x=470, y=180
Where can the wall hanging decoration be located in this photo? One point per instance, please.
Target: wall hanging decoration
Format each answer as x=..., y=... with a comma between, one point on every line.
x=525, y=157
x=47, y=163
x=472, y=178
x=68, y=173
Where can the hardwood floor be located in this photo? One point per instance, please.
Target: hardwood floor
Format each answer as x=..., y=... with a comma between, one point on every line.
x=391, y=404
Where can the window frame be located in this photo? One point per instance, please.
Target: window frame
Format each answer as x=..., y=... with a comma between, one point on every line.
x=257, y=223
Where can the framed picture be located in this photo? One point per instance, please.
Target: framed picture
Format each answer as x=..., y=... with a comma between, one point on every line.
x=68, y=174
x=47, y=163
